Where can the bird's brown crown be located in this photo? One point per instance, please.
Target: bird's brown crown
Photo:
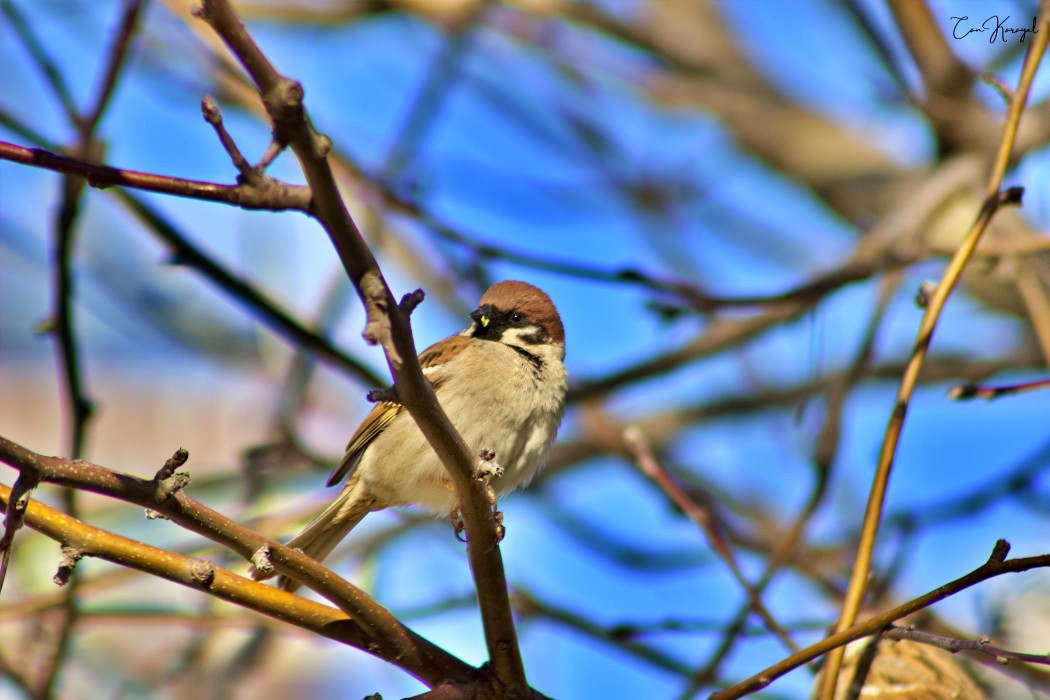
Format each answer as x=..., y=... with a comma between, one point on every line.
x=533, y=303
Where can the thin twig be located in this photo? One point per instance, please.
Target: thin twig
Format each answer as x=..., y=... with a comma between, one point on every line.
x=116, y=62
x=433, y=94
x=965, y=392
x=59, y=87
x=529, y=606
x=704, y=518
x=255, y=301
x=213, y=116
x=980, y=646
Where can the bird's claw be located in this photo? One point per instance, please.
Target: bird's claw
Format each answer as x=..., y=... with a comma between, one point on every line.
x=501, y=531
x=458, y=526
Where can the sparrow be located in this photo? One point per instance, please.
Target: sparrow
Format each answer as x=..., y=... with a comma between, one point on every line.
x=502, y=382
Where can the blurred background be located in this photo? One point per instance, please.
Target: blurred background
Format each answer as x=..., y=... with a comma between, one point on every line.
x=733, y=205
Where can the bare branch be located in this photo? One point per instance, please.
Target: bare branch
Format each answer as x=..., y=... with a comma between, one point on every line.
x=997, y=565
x=271, y=196
x=387, y=326
x=705, y=519
x=279, y=319
x=213, y=116
x=995, y=198
x=965, y=392
x=194, y=573
x=389, y=639
x=981, y=646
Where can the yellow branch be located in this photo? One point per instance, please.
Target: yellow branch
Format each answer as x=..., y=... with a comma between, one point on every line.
x=993, y=199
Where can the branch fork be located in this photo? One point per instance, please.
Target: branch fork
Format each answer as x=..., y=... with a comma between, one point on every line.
x=250, y=175
x=167, y=481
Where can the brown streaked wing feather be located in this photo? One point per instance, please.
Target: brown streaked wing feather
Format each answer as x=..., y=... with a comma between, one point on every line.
x=442, y=351
x=374, y=423
x=380, y=416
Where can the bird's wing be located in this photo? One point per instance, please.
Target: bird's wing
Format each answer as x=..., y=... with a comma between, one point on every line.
x=378, y=419
x=431, y=360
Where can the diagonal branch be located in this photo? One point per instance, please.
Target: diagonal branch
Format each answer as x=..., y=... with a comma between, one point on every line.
x=993, y=200
x=705, y=519
x=55, y=81
x=387, y=326
x=997, y=565
x=243, y=292
x=89, y=541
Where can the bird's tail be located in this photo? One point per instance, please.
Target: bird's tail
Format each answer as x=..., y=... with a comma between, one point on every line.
x=319, y=538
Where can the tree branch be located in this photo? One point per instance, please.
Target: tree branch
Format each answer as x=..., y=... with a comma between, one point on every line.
x=997, y=565
x=981, y=646
x=389, y=639
x=194, y=573
x=253, y=299
x=388, y=327
x=704, y=518
x=270, y=195
x=995, y=198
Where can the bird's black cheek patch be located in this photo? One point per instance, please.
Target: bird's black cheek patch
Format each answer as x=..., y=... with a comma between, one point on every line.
x=537, y=338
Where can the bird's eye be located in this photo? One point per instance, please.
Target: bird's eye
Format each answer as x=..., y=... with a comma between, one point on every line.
x=516, y=317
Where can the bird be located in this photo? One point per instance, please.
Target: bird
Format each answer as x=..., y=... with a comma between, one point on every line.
x=502, y=382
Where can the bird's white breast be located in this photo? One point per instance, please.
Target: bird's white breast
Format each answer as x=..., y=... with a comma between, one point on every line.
x=504, y=403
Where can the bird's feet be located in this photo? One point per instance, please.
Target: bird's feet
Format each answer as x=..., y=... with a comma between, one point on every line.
x=458, y=526
x=487, y=468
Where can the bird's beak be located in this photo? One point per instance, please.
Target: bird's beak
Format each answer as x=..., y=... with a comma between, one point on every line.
x=481, y=317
